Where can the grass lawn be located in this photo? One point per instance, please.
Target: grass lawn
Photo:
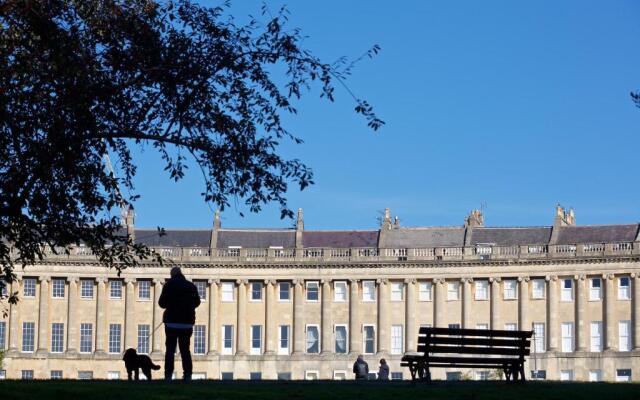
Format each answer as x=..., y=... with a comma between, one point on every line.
x=265, y=390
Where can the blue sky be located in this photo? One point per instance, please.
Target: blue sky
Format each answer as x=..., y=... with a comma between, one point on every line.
x=517, y=105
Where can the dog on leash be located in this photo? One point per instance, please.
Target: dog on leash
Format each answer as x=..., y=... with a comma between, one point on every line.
x=135, y=362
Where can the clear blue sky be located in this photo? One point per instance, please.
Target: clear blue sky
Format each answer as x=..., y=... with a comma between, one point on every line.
x=518, y=105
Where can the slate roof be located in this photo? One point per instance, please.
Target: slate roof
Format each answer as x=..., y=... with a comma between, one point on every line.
x=394, y=238
x=256, y=239
x=510, y=236
x=340, y=239
x=174, y=237
x=597, y=234
x=424, y=237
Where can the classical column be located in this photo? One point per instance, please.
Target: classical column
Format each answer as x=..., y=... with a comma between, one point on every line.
x=101, y=315
x=298, y=314
x=552, y=312
x=270, y=316
x=72, y=316
x=383, y=315
x=214, y=325
x=156, y=335
x=581, y=326
x=609, y=315
x=326, y=324
x=410, y=331
x=355, y=333
x=495, y=303
x=466, y=302
x=635, y=279
x=438, y=306
x=523, y=304
x=129, y=314
x=241, y=340
x=14, y=320
x=43, y=315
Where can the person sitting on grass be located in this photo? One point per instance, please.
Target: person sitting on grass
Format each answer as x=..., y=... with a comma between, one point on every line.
x=361, y=368
x=383, y=372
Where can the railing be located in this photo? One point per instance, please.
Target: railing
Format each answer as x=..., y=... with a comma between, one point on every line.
x=367, y=254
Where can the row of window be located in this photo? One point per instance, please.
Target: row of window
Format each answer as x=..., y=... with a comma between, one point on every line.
x=312, y=337
x=312, y=292
x=594, y=375
x=114, y=375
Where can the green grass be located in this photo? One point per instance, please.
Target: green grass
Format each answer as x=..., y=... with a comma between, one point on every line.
x=266, y=390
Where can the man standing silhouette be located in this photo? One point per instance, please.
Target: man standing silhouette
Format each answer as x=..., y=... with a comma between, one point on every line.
x=179, y=298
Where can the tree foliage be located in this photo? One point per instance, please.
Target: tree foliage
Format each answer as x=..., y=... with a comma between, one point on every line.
x=83, y=79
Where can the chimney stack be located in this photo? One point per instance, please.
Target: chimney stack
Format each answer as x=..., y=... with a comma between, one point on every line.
x=213, y=243
x=299, y=228
x=129, y=222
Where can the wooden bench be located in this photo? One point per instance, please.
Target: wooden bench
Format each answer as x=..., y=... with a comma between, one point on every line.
x=469, y=348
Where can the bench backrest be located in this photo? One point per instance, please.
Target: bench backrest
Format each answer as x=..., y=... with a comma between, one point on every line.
x=474, y=341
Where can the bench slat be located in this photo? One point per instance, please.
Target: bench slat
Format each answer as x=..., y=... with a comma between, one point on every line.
x=477, y=350
x=474, y=341
x=471, y=360
x=475, y=332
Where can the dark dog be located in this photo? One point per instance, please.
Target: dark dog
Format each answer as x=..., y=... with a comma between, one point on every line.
x=134, y=361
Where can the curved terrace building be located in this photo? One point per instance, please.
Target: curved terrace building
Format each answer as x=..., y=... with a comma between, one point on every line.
x=301, y=304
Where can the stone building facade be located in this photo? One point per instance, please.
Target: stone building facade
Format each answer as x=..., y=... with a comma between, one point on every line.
x=302, y=304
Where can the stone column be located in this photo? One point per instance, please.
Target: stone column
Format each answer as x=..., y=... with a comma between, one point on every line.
x=72, y=316
x=609, y=315
x=383, y=316
x=242, y=342
x=355, y=333
x=552, y=312
x=157, y=334
x=438, y=306
x=43, y=315
x=129, y=314
x=466, y=302
x=635, y=279
x=214, y=325
x=326, y=323
x=101, y=315
x=270, y=316
x=298, y=317
x=410, y=331
x=495, y=303
x=523, y=304
x=581, y=326
x=14, y=320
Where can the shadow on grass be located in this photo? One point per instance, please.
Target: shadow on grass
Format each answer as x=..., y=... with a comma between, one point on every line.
x=334, y=390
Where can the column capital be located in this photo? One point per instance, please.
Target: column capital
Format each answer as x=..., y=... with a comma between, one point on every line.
x=353, y=281
x=157, y=281
x=269, y=282
x=213, y=281
x=495, y=280
x=297, y=281
x=380, y=281
x=326, y=281
x=607, y=276
x=410, y=280
x=44, y=278
x=129, y=280
x=242, y=281
x=549, y=278
x=438, y=281
x=633, y=275
x=579, y=277
x=102, y=279
x=72, y=279
x=466, y=280
x=524, y=279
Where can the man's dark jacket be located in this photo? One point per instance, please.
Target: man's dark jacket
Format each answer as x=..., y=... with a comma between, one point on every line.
x=180, y=298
